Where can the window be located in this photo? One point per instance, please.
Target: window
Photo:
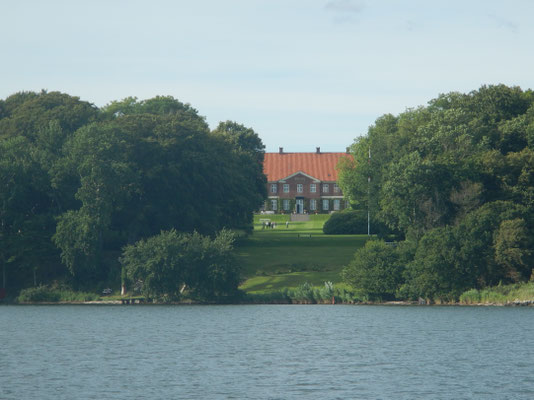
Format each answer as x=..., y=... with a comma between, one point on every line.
x=313, y=187
x=337, y=203
x=336, y=188
x=313, y=204
x=286, y=187
x=325, y=205
x=274, y=188
x=326, y=189
x=285, y=204
x=274, y=204
x=300, y=187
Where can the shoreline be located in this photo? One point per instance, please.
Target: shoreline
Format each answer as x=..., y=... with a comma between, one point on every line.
x=515, y=303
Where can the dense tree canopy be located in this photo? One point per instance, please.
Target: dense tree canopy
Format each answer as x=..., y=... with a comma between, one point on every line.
x=170, y=263
x=456, y=178
x=78, y=182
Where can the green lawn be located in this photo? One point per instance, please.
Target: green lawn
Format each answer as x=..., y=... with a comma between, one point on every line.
x=289, y=256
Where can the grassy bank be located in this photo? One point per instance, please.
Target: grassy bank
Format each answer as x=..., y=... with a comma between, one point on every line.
x=502, y=294
x=288, y=256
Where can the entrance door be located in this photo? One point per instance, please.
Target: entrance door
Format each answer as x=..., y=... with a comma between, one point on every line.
x=300, y=206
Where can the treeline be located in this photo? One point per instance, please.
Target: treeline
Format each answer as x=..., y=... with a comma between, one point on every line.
x=455, y=181
x=78, y=183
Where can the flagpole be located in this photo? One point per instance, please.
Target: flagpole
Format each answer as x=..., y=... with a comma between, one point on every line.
x=369, y=196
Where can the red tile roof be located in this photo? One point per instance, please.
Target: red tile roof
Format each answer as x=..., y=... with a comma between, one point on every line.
x=322, y=166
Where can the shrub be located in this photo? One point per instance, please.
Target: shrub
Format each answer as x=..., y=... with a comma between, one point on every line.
x=346, y=222
x=171, y=261
x=353, y=222
x=376, y=270
x=303, y=294
x=38, y=294
x=45, y=294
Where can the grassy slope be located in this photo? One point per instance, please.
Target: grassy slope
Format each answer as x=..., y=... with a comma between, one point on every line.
x=278, y=258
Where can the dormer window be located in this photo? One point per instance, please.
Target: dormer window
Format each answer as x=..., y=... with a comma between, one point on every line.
x=326, y=188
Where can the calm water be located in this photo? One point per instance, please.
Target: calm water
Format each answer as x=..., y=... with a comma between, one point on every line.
x=266, y=352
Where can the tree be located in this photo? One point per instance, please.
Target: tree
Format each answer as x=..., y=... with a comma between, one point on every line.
x=376, y=270
x=245, y=168
x=170, y=262
x=514, y=249
x=437, y=270
x=28, y=112
x=26, y=223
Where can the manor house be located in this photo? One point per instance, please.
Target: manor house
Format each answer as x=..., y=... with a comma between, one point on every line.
x=303, y=182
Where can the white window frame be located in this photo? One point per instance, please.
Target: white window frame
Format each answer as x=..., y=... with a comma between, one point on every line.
x=300, y=188
x=274, y=204
x=313, y=188
x=313, y=204
x=326, y=188
x=326, y=205
x=337, y=204
x=274, y=188
x=285, y=204
x=336, y=188
x=286, y=187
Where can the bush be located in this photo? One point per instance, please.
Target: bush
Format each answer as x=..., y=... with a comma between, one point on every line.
x=353, y=222
x=346, y=222
x=168, y=263
x=376, y=270
x=304, y=294
x=45, y=294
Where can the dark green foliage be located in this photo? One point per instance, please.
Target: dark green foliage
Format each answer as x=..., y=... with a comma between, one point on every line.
x=27, y=113
x=457, y=179
x=78, y=183
x=346, y=222
x=45, y=294
x=171, y=262
x=376, y=270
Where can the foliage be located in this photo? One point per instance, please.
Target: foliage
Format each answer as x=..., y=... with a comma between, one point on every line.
x=376, y=270
x=307, y=294
x=456, y=179
x=346, y=222
x=79, y=183
x=170, y=262
x=45, y=294
x=501, y=294
x=353, y=222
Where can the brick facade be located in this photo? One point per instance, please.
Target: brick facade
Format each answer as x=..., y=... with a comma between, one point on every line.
x=292, y=189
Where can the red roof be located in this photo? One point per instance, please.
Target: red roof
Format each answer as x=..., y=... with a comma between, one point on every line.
x=321, y=166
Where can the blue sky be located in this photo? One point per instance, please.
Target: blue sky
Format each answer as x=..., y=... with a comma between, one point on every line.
x=301, y=73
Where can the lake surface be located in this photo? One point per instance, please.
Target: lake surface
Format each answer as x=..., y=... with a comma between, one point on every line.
x=266, y=352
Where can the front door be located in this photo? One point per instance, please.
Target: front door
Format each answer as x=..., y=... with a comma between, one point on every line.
x=300, y=206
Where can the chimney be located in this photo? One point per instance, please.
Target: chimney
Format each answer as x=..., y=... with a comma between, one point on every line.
x=318, y=150
x=281, y=150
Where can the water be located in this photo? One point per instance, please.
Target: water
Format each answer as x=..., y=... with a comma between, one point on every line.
x=266, y=352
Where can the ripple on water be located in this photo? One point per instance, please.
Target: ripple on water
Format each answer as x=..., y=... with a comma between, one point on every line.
x=266, y=352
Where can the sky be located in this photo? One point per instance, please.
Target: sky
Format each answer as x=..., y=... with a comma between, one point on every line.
x=301, y=73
